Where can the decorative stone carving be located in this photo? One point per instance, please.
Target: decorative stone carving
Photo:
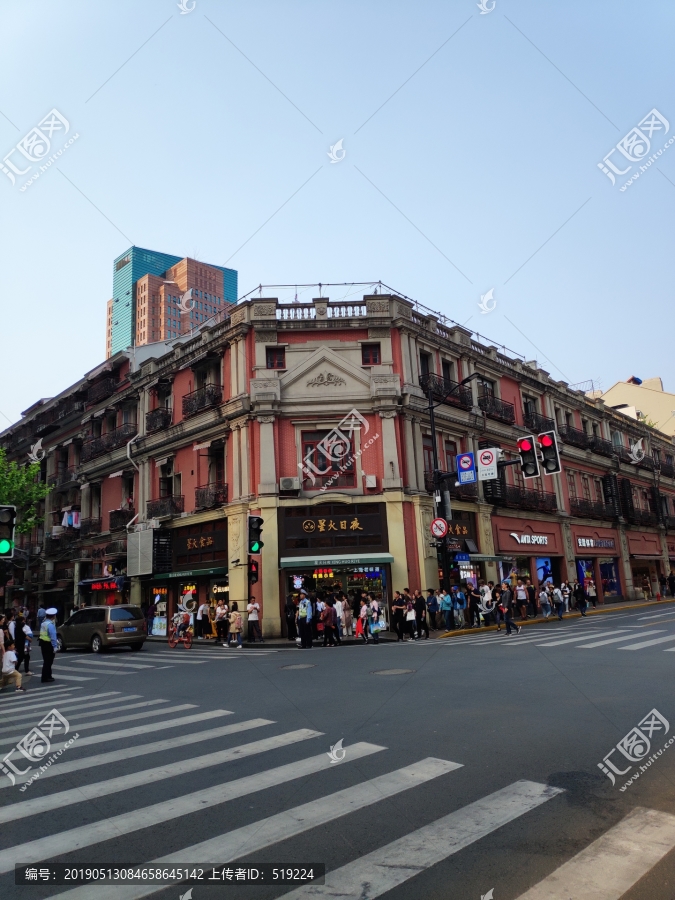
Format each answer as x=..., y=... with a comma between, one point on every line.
x=321, y=311
x=388, y=413
x=266, y=420
x=237, y=317
x=427, y=516
x=265, y=337
x=375, y=333
x=326, y=379
x=402, y=310
x=264, y=309
x=234, y=536
x=378, y=306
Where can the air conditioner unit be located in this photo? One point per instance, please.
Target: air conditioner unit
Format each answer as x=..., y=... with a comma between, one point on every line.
x=289, y=484
x=371, y=481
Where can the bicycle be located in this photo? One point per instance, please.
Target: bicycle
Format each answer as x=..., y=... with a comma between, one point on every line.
x=186, y=638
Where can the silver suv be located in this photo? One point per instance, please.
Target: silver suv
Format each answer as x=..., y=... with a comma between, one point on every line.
x=101, y=627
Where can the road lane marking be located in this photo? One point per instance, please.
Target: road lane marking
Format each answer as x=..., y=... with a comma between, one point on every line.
x=582, y=637
x=76, y=714
x=92, y=791
x=31, y=708
x=243, y=841
x=109, y=661
x=611, y=865
x=624, y=637
x=70, y=677
x=396, y=863
x=6, y=702
x=184, y=740
x=641, y=644
x=177, y=807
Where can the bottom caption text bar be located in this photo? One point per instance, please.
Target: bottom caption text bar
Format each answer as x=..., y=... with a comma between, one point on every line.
x=264, y=873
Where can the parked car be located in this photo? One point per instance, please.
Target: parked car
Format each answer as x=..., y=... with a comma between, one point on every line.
x=101, y=627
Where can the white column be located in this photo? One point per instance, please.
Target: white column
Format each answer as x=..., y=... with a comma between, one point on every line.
x=411, y=464
x=241, y=366
x=236, y=463
x=268, y=472
x=244, y=460
x=234, y=351
x=419, y=452
x=392, y=475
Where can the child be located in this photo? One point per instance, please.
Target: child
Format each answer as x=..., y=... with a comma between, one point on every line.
x=9, y=672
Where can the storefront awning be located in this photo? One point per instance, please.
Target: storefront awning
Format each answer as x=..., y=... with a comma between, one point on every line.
x=358, y=559
x=190, y=573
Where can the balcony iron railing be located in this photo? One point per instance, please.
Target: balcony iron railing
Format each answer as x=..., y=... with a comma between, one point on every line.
x=642, y=517
x=537, y=422
x=668, y=470
x=112, y=440
x=101, y=390
x=69, y=408
x=498, y=409
x=115, y=549
x=515, y=497
x=601, y=446
x=90, y=526
x=166, y=506
x=443, y=390
x=205, y=398
x=92, y=448
x=158, y=419
x=120, y=518
x=209, y=495
x=591, y=509
x=574, y=436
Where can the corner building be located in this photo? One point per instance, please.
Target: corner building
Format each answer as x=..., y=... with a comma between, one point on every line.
x=315, y=417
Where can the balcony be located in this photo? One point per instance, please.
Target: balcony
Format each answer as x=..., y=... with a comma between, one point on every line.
x=158, y=419
x=69, y=408
x=90, y=526
x=205, y=398
x=101, y=390
x=166, y=506
x=591, y=509
x=64, y=575
x=538, y=423
x=498, y=409
x=574, y=436
x=120, y=518
x=523, y=498
x=115, y=549
x=118, y=437
x=442, y=390
x=91, y=449
x=459, y=492
x=601, y=446
x=642, y=517
x=668, y=470
x=67, y=478
x=210, y=495
x=669, y=522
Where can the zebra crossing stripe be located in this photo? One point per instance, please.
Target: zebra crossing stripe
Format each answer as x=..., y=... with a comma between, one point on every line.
x=103, y=759
x=582, y=637
x=70, y=677
x=384, y=869
x=177, y=807
x=110, y=661
x=101, y=724
x=641, y=644
x=6, y=702
x=615, y=640
x=91, y=791
x=76, y=714
x=32, y=707
x=241, y=842
x=611, y=865
x=59, y=668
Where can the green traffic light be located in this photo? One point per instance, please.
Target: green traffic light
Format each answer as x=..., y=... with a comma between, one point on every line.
x=255, y=547
x=5, y=546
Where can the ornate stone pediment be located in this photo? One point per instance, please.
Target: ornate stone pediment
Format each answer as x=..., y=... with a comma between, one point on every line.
x=324, y=374
x=326, y=379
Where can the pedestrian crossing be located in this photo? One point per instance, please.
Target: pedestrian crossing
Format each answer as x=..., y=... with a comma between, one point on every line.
x=611, y=864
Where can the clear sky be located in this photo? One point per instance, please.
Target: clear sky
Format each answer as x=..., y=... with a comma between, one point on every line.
x=471, y=142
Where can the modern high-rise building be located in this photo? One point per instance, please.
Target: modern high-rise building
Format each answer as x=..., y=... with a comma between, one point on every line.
x=147, y=291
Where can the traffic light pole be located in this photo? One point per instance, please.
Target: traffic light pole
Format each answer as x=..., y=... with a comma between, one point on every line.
x=436, y=475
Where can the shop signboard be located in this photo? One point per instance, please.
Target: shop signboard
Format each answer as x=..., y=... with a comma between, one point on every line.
x=333, y=528
x=200, y=546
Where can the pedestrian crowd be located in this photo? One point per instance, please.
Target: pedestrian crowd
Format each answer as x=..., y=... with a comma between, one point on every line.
x=327, y=616
x=16, y=638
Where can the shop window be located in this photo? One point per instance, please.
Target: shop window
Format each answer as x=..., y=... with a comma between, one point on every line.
x=571, y=483
x=450, y=456
x=329, y=459
x=276, y=357
x=428, y=450
x=370, y=354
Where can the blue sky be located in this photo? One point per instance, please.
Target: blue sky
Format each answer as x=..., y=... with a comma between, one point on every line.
x=472, y=147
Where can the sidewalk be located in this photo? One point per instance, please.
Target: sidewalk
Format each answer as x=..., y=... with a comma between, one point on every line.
x=540, y=620
x=386, y=637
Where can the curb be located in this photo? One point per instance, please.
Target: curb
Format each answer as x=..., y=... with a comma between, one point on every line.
x=554, y=618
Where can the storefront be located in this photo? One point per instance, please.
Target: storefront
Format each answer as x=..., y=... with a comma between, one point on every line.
x=596, y=557
x=335, y=546
x=531, y=550
x=646, y=562
x=106, y=591
x=199, y=575
x=465, y=562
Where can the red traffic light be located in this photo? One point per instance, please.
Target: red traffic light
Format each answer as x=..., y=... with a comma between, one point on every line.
x=525, y=444
x=546, y=440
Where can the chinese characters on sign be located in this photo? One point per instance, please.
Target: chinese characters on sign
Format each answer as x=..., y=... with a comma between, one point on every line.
x=635, y=147
x=309, y=525
x=198, y=543
x=604, y=543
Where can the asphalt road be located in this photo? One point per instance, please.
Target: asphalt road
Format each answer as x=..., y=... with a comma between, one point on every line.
x=473, y=769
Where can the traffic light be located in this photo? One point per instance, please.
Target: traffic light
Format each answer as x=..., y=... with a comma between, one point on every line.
x=529, y=462
x=255, y=525
x=550, y=454
x=253, y=569
x=7, y=526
